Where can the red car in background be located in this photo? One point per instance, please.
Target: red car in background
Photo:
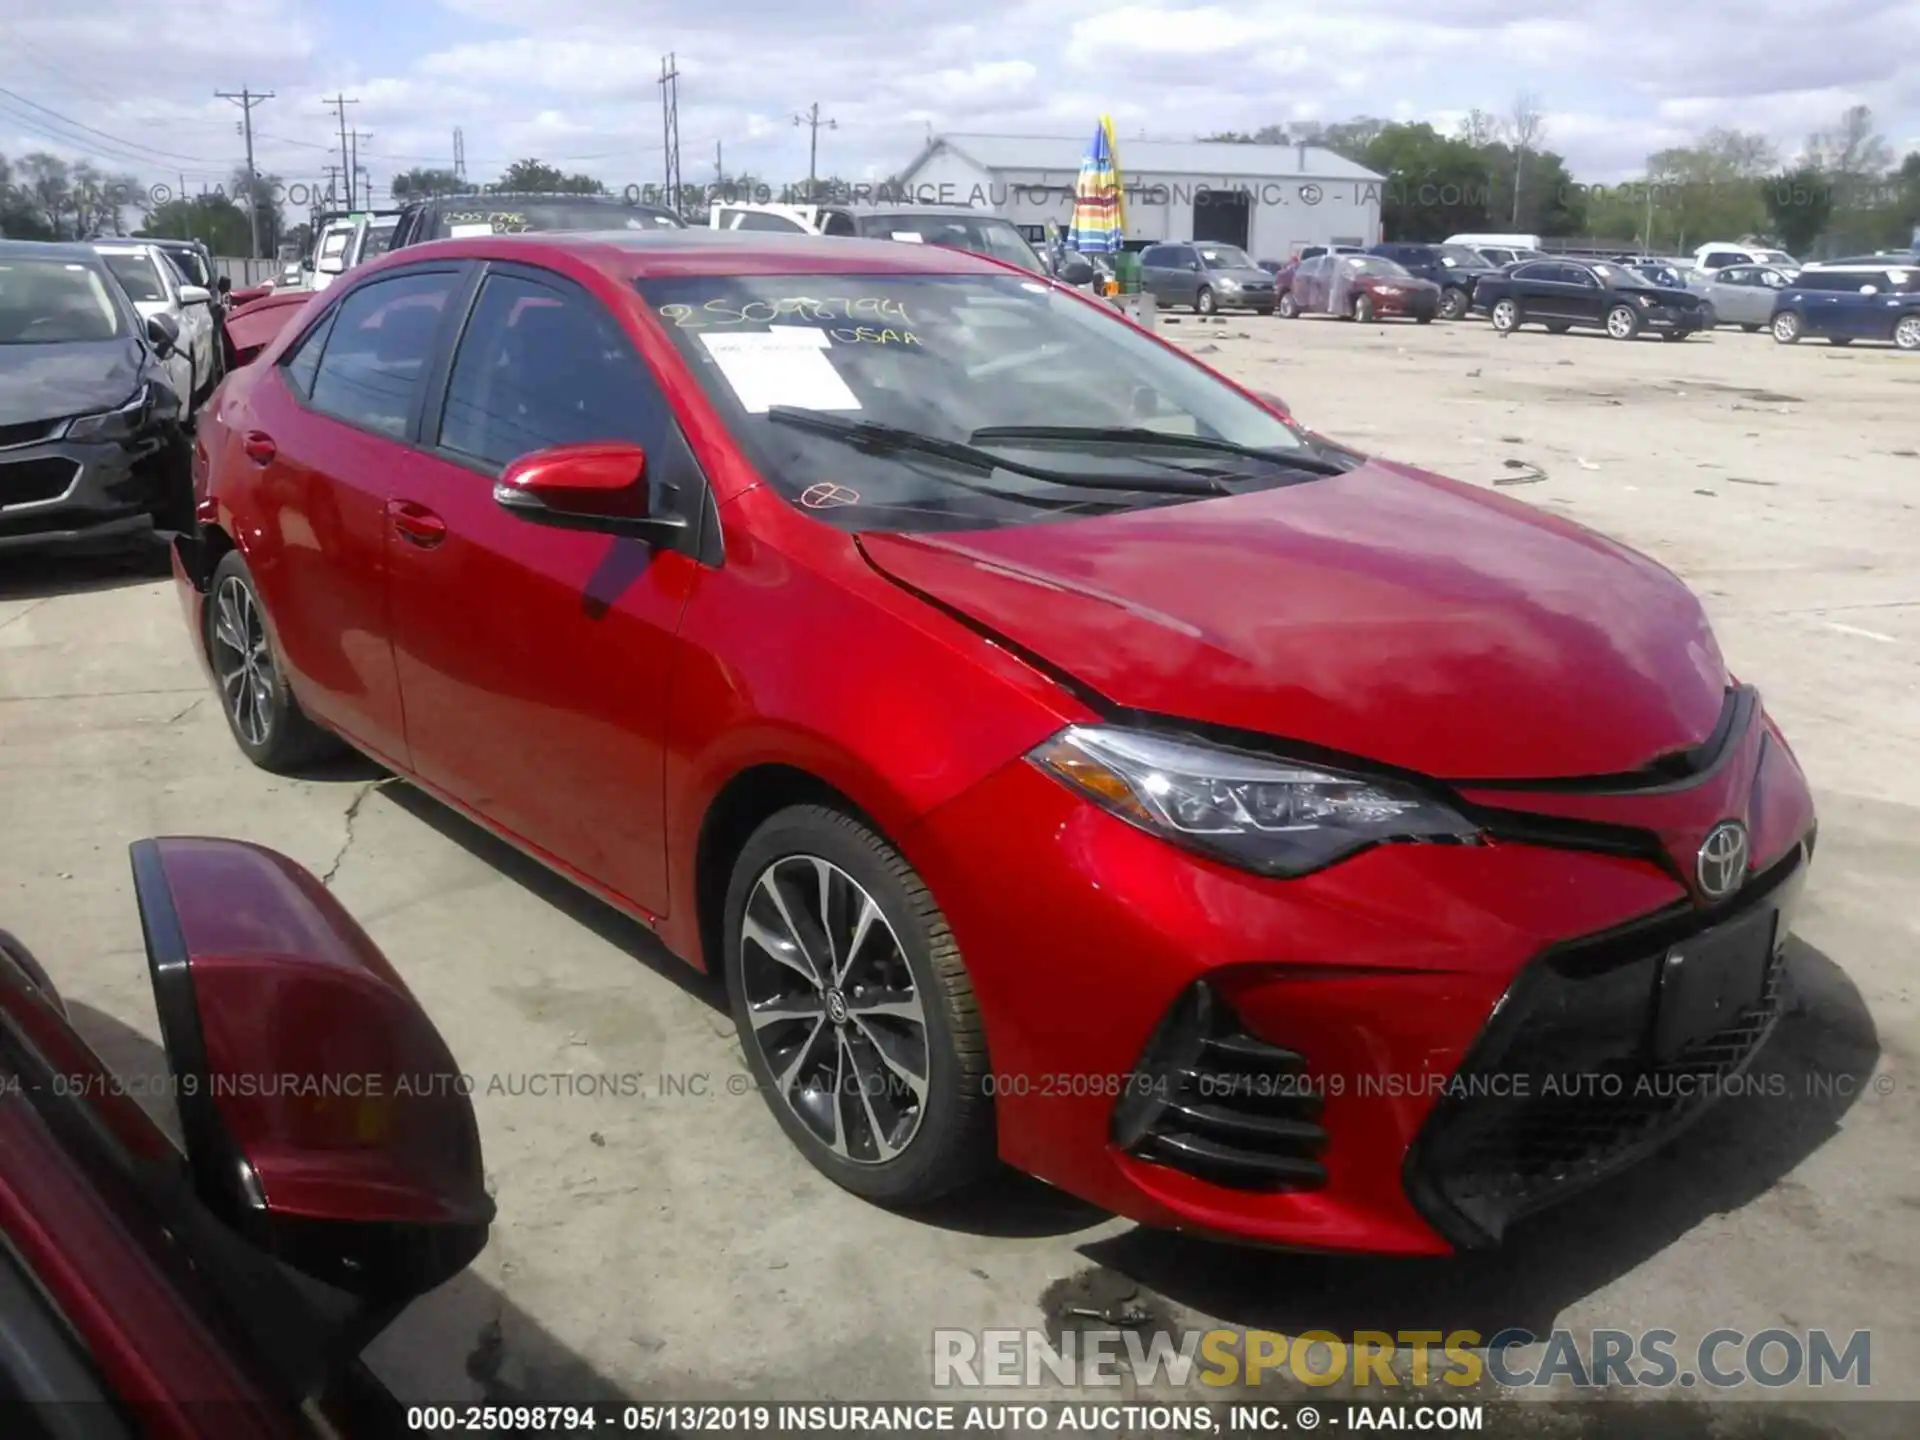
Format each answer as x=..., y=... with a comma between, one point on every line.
x=1359, y=287
x=1064, y=757
x=332, y=1171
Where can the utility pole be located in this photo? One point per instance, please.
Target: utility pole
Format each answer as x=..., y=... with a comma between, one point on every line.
x=246, y=100
x=813, y=122
x=719, y=168
x=459, y=153
x=353, y=170
x=333, y=182
x=339, y=105
x=670, y=125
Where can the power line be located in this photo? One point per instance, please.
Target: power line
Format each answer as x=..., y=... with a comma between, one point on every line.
x=118, y=143
x=246, y=100
x=339, y=105
x=813, y=122
x=670, y=117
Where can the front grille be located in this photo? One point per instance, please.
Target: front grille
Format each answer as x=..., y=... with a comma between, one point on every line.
x=1564, y=1088
x=1222, y=1105
x=31, y=433
x=26, y=481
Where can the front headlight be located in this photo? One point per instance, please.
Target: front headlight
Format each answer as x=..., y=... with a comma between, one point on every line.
x=117, y=424
x=1227, y=282
x=1260, y=813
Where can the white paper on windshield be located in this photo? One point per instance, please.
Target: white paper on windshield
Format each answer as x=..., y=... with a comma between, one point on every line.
x=782, y=365
x=467, y=232
x=912, y=237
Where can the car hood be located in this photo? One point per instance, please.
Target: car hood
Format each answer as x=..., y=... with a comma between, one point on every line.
x=50, y=382
x=1410, y=283
x=1386, y=613
x=1252, y=276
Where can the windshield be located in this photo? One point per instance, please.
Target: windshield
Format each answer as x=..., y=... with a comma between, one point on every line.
x=1775, y=257
x=978, y=234
x=379, y=237
x=53, y=302
x=1225, y=257
x=483, y=215
x=137, y=277
x=946, y=358
x=1379, y=266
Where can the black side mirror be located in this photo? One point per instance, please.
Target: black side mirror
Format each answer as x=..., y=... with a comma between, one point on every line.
x=163, y=333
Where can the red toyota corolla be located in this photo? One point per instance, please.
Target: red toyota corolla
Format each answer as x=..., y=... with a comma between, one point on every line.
x=1062, y=755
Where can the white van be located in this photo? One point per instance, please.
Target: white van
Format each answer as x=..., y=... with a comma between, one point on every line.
x=1499, y=242
x=1719, y=254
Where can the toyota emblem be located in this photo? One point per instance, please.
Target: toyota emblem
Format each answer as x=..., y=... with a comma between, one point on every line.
x=1722, y=862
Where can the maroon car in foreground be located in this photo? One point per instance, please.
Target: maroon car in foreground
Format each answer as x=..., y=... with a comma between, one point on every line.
x=331, y=1174
x=1359, y=287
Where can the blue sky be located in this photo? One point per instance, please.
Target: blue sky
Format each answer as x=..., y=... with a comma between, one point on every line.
x=574, y=82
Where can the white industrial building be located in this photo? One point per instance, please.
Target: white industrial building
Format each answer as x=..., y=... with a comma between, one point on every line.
x=1270, y=199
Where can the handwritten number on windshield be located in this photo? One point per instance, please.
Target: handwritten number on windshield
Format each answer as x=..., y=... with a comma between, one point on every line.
x=797, y=307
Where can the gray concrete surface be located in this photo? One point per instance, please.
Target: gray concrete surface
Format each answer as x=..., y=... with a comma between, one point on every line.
x=676, y=1247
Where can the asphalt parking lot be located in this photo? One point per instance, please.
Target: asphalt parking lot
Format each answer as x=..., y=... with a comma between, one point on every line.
x=675, y=1246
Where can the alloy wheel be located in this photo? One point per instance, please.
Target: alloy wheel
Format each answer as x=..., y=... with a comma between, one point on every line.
x=242, y=661
x=1907, y=333
x=1203, y=303
x=1620, y=323
x=834, y=1009
x=1506, y=315
x=1453, y=304
x=1786, y=328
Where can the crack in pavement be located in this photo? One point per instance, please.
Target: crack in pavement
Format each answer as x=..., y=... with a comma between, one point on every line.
x=188, y=711
x=44, y=599
x=346, y=841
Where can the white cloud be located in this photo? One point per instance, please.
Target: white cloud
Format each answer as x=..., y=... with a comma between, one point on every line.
x=575, y=82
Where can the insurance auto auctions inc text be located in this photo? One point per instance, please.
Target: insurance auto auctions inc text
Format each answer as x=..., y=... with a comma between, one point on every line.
x=1720, y=1360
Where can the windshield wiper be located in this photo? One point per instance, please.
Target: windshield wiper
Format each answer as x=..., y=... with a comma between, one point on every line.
x=1141, y=435
x=880, y=438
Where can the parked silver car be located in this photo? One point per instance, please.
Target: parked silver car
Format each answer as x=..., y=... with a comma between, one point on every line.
x=1740, y=295
x=156, y=287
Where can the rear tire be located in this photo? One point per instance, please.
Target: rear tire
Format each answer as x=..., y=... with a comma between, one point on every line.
x=1906, y=335
x=1289, y=307
x=807, y=875
x=266, y=720
x=1363, y=309
x=1204, y=303
x=1453, y=303
x=1786, y=328
x=1506, y=316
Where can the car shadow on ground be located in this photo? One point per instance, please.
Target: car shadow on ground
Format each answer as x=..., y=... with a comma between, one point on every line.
x=464, y=1343
x=611, y=925
x=1823, y=1051
x=43, y=574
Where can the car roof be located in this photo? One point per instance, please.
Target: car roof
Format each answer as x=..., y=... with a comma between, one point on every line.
x=46, y=250
x=626, y=253
x=122, y=246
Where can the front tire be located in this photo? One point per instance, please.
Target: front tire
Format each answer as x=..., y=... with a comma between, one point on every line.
x=855, y=1011
x=1623, y=322
x=1505, y=316
x=1363, y=309
x=1453, y=303
x=1204, y=303
x=266, y=720
x=1786, y=328
x=1906, y=335
x=1289, y=307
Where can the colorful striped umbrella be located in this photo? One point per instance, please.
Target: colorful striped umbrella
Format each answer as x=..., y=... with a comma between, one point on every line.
x=1099, y=201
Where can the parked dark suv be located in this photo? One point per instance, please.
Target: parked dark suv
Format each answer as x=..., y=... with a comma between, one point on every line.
x=447, y=217
x=1454, y=268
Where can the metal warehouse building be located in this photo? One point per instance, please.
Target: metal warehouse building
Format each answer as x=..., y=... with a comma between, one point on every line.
x=1271, y=199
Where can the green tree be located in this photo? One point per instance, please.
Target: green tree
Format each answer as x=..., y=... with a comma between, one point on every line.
x=1348, y=138
x=420, y=182
x=1436, y=185
x=1551, y=202
x=1265, y=135
x=1800, y=203
x=1713, y=189
x=536, y=177
x=209, y=217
